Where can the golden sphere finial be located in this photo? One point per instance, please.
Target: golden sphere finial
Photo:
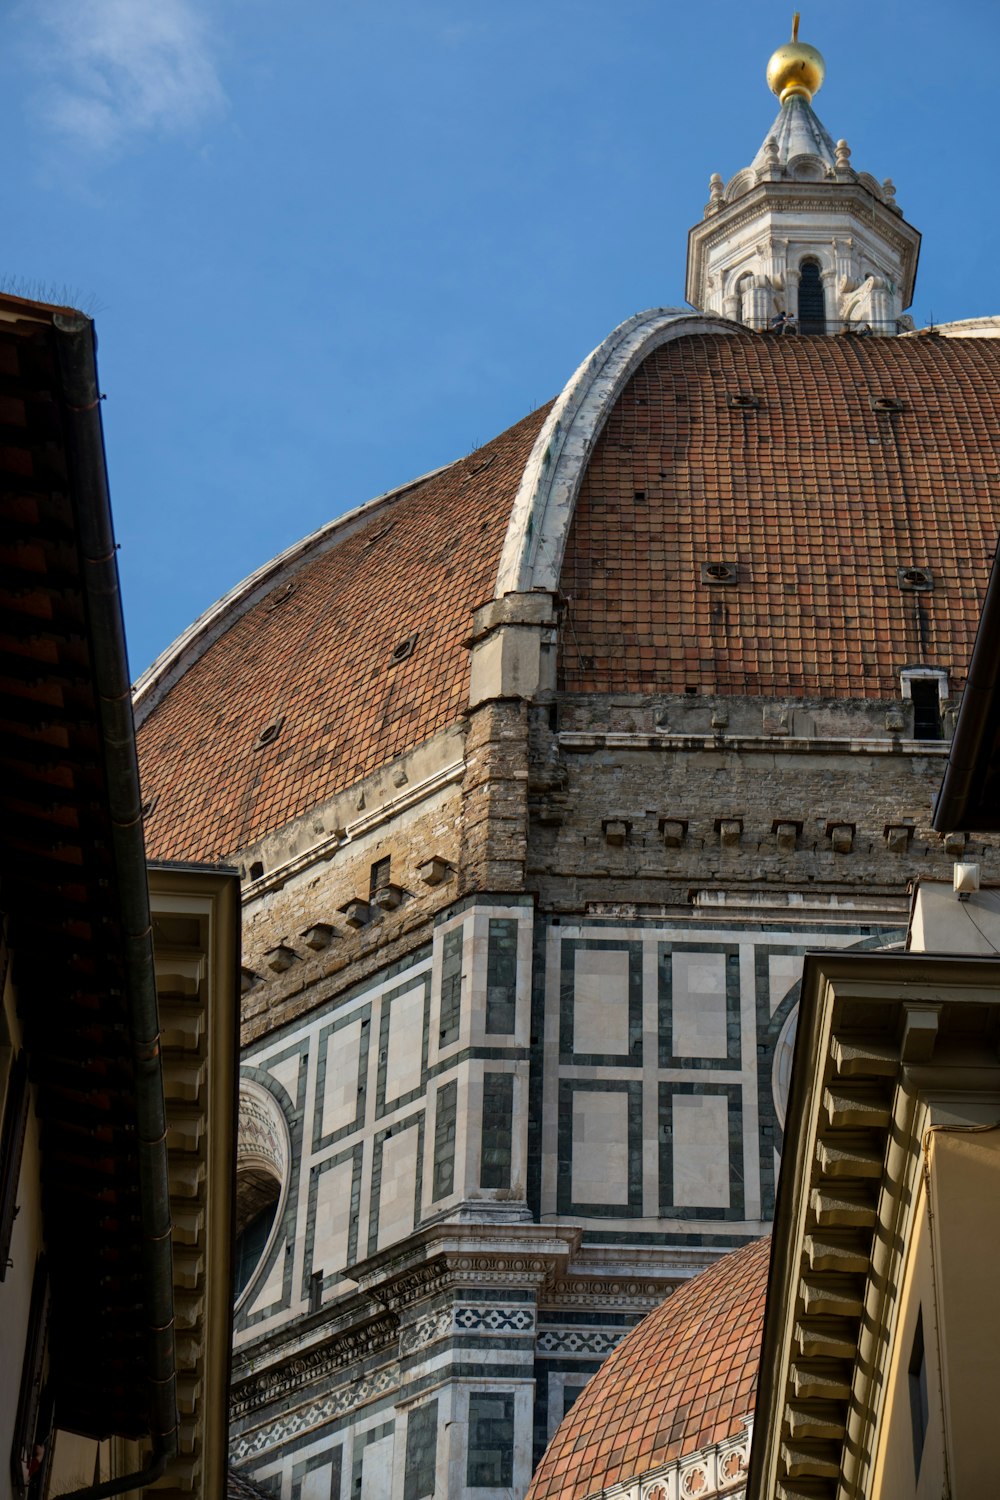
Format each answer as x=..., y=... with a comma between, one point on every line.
x=796, y=70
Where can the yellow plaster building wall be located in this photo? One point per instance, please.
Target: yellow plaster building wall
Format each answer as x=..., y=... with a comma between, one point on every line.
x=951, y=1277
x=894, y=1474
x=965, y=1200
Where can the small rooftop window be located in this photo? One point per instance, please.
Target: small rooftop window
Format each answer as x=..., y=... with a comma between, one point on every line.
x=926, y=689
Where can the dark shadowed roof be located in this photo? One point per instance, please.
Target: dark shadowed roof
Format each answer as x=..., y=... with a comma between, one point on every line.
x=318, y=651
x=73, y=886
x=683, y=1379
x=817, y=498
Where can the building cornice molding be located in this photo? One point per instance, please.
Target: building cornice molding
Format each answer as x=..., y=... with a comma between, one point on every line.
x=964, y=328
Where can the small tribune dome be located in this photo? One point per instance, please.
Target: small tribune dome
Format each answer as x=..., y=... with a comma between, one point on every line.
x=796, y=70
x=683, y=1380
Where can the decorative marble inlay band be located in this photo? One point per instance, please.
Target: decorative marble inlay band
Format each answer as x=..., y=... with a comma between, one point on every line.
x=599, y=1341
x=314, y=1415
x=425, y=1331
x=495, y=1319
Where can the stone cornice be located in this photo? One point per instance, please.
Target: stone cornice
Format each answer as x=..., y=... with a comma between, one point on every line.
x=384, y=1311
x=629, y=1295
x=283, y=1380
x=454, y=1254
x=584, y=742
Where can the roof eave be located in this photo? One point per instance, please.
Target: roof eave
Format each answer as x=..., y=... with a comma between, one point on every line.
x=75, y=346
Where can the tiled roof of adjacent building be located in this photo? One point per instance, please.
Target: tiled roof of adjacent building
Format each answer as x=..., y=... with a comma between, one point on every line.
x=812, y=491
x=683, y=1379
x=317, y=652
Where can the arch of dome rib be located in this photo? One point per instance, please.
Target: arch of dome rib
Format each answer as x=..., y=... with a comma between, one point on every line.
x=152, y=686
x=543, y=506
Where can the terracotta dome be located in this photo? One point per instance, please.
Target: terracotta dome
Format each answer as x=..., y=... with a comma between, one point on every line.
x=352, y=646
x=769, y=459
x=685, y=1378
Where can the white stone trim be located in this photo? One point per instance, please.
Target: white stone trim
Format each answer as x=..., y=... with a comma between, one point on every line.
x=583, y=741
x=696, y=1476
x=153, y=685
x=543, y=507
x=964, y=328
x=909, y=675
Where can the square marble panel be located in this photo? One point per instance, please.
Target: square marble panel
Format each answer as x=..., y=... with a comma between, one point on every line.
x=699, y=1005
x=601, y=1002
x=700, y=1151
x=600, y=1164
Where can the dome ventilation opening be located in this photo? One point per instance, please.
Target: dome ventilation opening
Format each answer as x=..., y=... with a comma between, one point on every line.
x=282, y=597
x=719, y=572
x=269, y=733
x=915, y=580
x=885, y=403
x=403, y=649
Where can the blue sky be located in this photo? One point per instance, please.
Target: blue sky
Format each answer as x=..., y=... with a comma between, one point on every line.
x=330, y=244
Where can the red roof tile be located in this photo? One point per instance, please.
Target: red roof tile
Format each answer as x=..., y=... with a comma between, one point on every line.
x=817, y=498
x=681, y=1380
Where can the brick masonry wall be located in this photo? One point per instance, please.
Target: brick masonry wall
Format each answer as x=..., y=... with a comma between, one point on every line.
x=477, y=827
x=494, y=802
x=280, y=918
x=627, y=808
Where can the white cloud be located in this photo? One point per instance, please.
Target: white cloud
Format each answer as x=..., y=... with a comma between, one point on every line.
x=114, y=69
